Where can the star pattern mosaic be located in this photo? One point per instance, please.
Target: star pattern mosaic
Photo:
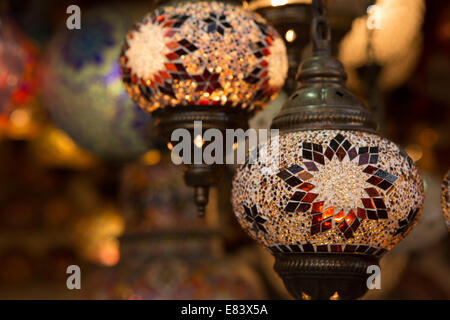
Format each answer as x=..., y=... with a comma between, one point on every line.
x=323, y=218
x=328, y=191
x=203, y=53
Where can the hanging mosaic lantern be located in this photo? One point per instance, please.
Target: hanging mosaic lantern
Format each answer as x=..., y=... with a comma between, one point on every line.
x=202, y=60
x=333, y=196
x=445, y=199
x=82, y=87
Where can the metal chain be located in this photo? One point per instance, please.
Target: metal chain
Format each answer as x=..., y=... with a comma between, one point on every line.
x=320, y=29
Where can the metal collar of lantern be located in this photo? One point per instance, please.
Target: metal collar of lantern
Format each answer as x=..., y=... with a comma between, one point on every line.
x=321, y=253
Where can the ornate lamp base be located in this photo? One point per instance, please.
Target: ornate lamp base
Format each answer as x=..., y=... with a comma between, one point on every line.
x=324, y=276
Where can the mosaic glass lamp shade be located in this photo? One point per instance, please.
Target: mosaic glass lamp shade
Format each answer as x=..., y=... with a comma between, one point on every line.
x=203, y=53
x=328, y=196
x=17, y=68
x=82, y=87
x=445, y=199
x=208, y=61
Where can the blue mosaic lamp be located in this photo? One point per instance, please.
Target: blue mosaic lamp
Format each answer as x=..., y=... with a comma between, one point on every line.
x=83, y=91
x=334, y=196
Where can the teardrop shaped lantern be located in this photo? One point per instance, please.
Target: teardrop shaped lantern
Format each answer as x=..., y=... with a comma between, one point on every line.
x=206, y=61
x=328, y=196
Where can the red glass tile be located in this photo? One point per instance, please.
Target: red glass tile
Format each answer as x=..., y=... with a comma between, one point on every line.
x=161, y=17
x=170, y=66
x=372, y=192
x=328, y=212
x=263, y=63
x=343, y=226
x=329, y=153
x=310, y=197
x=316, y=218
x=368, y=203
x=266, y=51
x=168, y=24
x=370, y=169
x=164, y=75
x=361, y=213
x=269, y=40
x=350, y=217
x=339, y=217
x=204, y=102
x=317, y=207
x=340, y=153
x=157, y=79
x=172, y=45
x=172, y=56
x=306, y=186
x=374, y=180
x=263, y=75
x=318, y=158
x=326, y=225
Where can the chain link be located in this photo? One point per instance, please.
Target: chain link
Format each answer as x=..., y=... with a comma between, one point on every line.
x=320, y=29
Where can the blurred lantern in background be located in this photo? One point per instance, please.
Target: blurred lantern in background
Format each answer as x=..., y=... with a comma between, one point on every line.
x=445, y=198
x=97, y=226
x=55, y=149
x=292, y=19
x=389, y=35
x=82, y=89
x=208, y=61
x=17, y=82
x=166, y=253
